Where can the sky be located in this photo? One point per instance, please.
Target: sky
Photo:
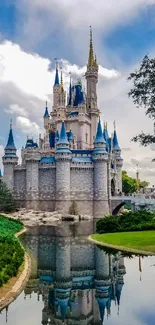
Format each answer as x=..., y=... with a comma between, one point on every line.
x=33, y=33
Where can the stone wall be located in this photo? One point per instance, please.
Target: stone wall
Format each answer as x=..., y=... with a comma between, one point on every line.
x=20, y=184
x=47, y=183
x=82, y=255
x=82, y=184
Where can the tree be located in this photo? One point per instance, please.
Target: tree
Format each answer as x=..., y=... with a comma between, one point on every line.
x=7, y=203
x=143, y=94
x=129, y=184
x=73, y=210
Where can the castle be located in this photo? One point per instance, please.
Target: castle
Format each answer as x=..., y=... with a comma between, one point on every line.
x=75, y=160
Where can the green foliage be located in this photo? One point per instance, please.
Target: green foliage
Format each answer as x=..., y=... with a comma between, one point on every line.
x=129, y=184
x=129, y=221
x=7, y=203
x=73, y=210
x=11, y=252
x=143, y=94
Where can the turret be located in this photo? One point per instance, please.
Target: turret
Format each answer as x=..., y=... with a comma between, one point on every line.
x=56, y=89
x=100, y=158
x=118, y=161
x=63, y=158
x=46, y=117
x=10, y=160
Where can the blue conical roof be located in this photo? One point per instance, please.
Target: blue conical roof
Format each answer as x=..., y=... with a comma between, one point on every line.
x=99, y=135
x=56, y=83
x=63, y=135
x=57, y=135
x=0, y=173
x=70, y=94
x=119, y=287
x=115, y=141
x=46, y=111
x=102, y=304
x=106, y=136
x=10, y=144
x=63, y=303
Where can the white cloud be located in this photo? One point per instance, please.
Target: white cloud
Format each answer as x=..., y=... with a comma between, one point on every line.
x=16, y=109
x=26, y=126
x=25, y=86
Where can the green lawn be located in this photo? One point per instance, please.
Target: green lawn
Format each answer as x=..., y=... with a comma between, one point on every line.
x=138, y=240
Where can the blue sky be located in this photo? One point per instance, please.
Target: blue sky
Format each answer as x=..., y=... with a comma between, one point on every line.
x=33, y=33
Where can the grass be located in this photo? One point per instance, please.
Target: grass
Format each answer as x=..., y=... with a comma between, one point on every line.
x=138, y=240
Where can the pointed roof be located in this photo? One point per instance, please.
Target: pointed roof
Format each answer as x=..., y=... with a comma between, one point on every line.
x=102, y=304
x=63, y=135
x=91, y=52
x=99, y=135
x=46, y=111
x=56, y=83
x=0, y=173
x=57, y=135
x=115, y=139
x=10, y=144
x=70, y=93
x=106, y=135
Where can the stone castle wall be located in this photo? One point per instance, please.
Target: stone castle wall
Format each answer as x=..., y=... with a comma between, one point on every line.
x=55, y=186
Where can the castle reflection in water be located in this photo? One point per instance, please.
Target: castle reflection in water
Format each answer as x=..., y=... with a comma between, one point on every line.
x=76, y=280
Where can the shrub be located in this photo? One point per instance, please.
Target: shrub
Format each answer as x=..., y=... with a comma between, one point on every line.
x=73, y=210
x=7, y=203
x=130, y=221
x=11, y=252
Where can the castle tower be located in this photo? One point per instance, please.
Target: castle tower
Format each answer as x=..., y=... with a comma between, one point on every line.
x=56, y=89
x=10, y=160
x=100, y=158
x=63, y=159
x=118, y=161
x=92, y=79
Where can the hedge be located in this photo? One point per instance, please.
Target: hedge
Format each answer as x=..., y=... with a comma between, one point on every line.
x=129, y=221
x=11, y=252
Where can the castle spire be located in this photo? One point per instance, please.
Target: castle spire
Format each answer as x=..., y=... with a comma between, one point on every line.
x=10, y=143
x=61, y=80
x=91, y=52
x=56, y=83
x=70, y=91
x=63, y=135
x=99, y=134
x=115, y=139
x=46, y=114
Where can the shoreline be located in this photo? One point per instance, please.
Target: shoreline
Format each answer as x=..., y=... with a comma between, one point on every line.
x=17, y=284
x=120, y=248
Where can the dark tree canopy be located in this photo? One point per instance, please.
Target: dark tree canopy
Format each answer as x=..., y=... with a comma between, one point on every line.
x=143, y=94
x=129, y=184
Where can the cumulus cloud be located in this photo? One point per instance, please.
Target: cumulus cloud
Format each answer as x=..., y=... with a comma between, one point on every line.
x=25, y=87
x=27, y=126
x=16, y=109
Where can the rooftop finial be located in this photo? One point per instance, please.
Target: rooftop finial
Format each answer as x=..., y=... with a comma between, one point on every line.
x=91, y=53
x=114, y=125
x=56, y=83
x=11, y=123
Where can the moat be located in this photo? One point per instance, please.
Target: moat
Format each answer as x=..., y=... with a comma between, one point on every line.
x=75, y=282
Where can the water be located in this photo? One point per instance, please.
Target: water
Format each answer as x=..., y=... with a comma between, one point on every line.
x=84, y=284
